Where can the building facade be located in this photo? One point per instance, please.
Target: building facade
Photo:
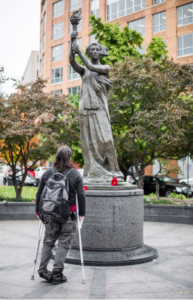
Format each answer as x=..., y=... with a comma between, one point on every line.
x=32, y=68
x=170, y=19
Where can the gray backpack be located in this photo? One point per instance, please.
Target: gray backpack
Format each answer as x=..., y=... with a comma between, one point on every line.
x=54, y=201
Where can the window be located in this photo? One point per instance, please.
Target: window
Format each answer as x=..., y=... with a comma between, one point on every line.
x=45, y=20
x=72, y=74
x=123, y=7
x=44, y=4
x=43, y=61
x=79, y=26
x=37, y=58
x=58, y=8
x=40, y=66
x=185, y=44
x=92, y=39
x=57, y=52
x=57, y=75
x=56, y=92
x=138, y=25
x=185, y=14
x=58, y=30
x=40, y=46
x=95, y=13
x=159, y=22
x=41, y=27
x=37, y=73
x=141, y=51
x=75, y=4
x=79, y=43
x=159, y=1
x=44, y=39
x=74, y=90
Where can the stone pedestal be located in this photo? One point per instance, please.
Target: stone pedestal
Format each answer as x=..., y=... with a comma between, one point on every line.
x=112, y=232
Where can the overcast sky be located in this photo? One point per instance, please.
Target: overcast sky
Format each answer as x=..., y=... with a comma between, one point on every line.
x=19, y=35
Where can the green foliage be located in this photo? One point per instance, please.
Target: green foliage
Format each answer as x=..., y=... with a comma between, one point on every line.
x=74, y=99
x=120, y=42
x=152, y=195
x=148, y=116
x=154, y=201
x=177, y=196
x=157, y=49
x=29, y=126
x=75, y=144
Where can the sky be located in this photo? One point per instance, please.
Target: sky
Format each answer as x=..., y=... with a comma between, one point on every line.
x=19, y=35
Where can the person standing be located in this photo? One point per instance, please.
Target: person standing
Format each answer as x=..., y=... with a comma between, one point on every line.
x=63, y=232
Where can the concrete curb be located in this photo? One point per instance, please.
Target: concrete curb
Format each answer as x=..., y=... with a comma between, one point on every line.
x=152, y=212
x=168, y=213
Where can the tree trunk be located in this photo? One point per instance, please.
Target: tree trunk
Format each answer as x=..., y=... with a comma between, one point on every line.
x=18, y=193
x=140, y=182
x=157, y=189
x=124, y=171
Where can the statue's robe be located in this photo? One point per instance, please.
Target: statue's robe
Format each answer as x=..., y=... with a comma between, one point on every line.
x=100, y=161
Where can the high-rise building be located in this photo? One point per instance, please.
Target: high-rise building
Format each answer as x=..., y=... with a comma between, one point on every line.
x=170, y=19
x=32, y=68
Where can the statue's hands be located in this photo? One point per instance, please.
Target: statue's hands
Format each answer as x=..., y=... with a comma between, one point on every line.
x=76, y=48
x=74, y=35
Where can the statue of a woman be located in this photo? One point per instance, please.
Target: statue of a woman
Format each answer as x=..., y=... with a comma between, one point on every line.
x=100, y=161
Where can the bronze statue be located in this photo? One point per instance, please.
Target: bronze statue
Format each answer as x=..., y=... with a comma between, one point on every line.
x=100, y=161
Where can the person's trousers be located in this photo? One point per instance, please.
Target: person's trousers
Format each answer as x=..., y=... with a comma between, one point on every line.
x=64, y=233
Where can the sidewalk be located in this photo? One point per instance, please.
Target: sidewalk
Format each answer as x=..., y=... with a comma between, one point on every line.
x=170, y=276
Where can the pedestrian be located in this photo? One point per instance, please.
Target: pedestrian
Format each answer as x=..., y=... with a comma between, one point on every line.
x=63, y=232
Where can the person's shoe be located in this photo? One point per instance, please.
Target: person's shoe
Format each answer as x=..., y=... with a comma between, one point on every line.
x=47, y=275
x=58, y=278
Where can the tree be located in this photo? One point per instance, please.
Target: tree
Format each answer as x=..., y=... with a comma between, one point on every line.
x=124, y=42
x=32, y=127
x=157, y=49
x=165, y=169
x=149, y=112
x=120, y=42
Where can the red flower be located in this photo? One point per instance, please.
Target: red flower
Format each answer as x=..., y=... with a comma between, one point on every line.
x=114, y=181
x=85, y=188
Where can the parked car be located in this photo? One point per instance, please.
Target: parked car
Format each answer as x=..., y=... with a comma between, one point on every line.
x=131, y=180
x=167, y=185
x=30, y=170
x=39, y=172
x=29, y=181
x=185, y=180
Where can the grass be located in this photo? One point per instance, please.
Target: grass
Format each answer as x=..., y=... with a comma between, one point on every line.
x=160, y=201
x=8, y=193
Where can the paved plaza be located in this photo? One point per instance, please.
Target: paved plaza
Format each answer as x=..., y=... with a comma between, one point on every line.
x=170, y=276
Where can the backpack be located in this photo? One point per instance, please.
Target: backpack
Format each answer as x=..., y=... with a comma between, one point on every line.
x=54, y=201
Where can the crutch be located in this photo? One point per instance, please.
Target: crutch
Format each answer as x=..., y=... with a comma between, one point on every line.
x=80, y=240
x=41, y=228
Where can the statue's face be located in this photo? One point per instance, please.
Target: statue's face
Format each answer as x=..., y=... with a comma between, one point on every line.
x=94, y=51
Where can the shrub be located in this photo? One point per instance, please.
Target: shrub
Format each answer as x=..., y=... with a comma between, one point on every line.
x=177, y=196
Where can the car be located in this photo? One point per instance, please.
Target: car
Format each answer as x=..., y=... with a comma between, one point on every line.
x=39, y=172
x=185, y=180
x=131, y=180
x=29, y=181
x=167, y=185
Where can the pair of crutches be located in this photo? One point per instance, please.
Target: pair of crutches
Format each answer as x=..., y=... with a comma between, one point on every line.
x=41, y=229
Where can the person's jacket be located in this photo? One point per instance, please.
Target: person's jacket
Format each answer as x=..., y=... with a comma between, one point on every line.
x=75, y=185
